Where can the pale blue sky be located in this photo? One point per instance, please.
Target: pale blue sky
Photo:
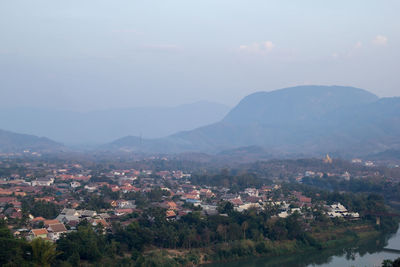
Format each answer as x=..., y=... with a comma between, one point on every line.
x=96, y=54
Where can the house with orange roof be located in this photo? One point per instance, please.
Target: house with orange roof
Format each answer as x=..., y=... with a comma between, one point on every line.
x=38, y=219
x=18, y=193
x=114, y=188
x=170, y=214
x=304, y=199
x=5, y=192
x=171, y=205
x=38, y=233
x=101, y=222
x=236, y=201
x=74, y=204
x=6, y=200
x=46, y=199
x=127, y=188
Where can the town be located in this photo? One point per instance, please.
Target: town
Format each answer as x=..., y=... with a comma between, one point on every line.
x=58, y=199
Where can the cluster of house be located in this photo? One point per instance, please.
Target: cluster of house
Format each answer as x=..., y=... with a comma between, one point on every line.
x=51, y=230
x=345, y=175
x=66, y=183
x=63, y=184
x=10, y=207
x=66, y=221
x=337, y=210
x=367, y=163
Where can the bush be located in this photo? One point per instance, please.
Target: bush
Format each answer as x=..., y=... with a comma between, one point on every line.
x=261, y=248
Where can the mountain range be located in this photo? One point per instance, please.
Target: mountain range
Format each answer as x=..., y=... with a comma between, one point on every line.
x=102, y=126
x=306, y=120
x=296, y=121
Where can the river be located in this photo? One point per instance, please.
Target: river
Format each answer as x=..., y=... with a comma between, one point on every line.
x=369, y=253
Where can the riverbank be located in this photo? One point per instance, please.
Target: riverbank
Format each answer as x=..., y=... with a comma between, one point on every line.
x=315, y=243
x=336, y=238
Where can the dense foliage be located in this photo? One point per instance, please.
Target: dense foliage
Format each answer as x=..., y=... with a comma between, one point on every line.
x=235, y=235
x=41, y=208
x=388, y=189
x=234, y=182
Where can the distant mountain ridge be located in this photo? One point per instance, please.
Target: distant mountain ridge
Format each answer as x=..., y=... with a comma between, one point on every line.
x=307, y=120
x=98, y=127
x=16, y=142
x=303, y=120
x=296, y=104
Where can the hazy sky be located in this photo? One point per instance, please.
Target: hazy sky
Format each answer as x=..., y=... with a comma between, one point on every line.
x=95, y=54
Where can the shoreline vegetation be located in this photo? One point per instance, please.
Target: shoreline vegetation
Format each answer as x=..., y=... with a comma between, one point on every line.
x=239, y=250
x=92, y=247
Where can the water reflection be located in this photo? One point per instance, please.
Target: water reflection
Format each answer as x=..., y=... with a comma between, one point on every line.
x=361, y=253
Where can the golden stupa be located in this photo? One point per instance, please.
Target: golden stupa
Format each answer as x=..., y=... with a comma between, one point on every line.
x=328, y=159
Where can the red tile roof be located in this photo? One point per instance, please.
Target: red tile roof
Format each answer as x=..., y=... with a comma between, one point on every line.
x=170, y=213
x=38, y=219
x=37, y=232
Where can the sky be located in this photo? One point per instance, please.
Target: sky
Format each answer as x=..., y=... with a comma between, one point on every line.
x=96, y=54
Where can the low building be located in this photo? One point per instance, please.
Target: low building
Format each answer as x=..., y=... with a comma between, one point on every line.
x=75, y=184
x=56, y=230
x=247, y=206
x=43, y=181
x=38, y=233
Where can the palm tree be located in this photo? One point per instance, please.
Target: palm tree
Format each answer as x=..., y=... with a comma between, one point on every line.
x=43, y=252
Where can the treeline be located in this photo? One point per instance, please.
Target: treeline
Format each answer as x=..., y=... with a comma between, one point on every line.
x=364, y=203
x=388, y=189
x=390, y=263
x=291, y=167
x=235, y=182
x=244, y=232
x=233, y=235
x=19, y=252
x=45, y=209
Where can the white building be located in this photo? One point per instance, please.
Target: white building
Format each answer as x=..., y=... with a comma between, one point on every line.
x=43, y=181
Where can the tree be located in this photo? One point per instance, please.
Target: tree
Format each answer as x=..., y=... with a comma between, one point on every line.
x=390, y=263
x=225, y=207
x=387, y=263
x=221, y=229
x=245, y=225
x=43, y=252
x=42, y=208
x=11, y=249
x=86, y=242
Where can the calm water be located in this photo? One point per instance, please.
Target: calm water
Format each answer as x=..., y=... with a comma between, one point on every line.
x=369, y=253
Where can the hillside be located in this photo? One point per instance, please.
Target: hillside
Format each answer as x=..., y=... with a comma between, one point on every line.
x=296, y=105
x=97, y=127
x=308, y=120
x=15, y=142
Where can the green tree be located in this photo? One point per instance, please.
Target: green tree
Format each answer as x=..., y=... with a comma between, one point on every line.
x=44, y=252
x=12, y=250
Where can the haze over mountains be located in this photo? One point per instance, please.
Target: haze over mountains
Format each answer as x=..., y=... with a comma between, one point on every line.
x=99, y=127
x=14, y=142
x=306, y=120
x=303, y=120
